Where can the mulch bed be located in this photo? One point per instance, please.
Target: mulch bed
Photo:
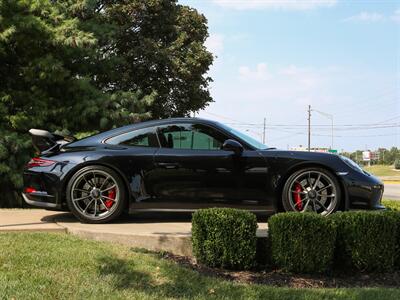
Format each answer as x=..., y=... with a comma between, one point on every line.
x=337, y=279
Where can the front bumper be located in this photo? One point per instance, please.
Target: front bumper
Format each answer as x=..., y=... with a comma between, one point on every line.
x=365, y=192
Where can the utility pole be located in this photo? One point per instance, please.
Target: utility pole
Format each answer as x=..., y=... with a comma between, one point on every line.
x=265, y=120
x=309, y=128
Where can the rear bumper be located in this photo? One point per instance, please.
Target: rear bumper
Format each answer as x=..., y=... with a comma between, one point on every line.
x=43, y=188
x=38, y=202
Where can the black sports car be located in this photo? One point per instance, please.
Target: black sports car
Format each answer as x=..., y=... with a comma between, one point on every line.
x=184, y=164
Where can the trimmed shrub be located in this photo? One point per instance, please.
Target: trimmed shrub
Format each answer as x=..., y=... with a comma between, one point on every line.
x=302, y=243
x=365, y=240
x=396, y=216
x=224, y=237
x=397, y=164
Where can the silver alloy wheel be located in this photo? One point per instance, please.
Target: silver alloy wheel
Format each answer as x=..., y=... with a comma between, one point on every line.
x=313, y=191
x=95, y=194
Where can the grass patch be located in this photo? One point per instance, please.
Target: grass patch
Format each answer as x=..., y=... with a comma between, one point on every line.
x=382, y=170
x=391, y=181
x=391, y=204
x=58, y=266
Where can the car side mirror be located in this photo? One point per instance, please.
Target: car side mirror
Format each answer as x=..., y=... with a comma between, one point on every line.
x=234, y=146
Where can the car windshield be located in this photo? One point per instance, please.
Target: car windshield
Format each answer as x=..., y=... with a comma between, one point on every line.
x=249, y=140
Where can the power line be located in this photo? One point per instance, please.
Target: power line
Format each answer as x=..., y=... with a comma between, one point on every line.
x=316, y=127
x=247, y=124
x=337, y=136
x=322, y=126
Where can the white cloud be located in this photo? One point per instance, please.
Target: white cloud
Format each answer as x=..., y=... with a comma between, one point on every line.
x=291, y=70
x=367, y=17
x=396, y=16
x=305, y=78
x=371, y=17
x=301, y=77
x=260, y=72
x=276, y=4
x=215, y=43
x=299, y=84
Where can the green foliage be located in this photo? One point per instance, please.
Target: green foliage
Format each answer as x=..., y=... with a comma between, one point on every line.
x=395, y=214
x=397, y=164
x=386, y=156
x=302, y=243
x=224, y=237
x=393, y=205
x=156, y=47
x=84, y=65
x=64, y=267
x=365, y=240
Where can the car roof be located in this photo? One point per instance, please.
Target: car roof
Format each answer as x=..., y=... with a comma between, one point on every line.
x=98, y=138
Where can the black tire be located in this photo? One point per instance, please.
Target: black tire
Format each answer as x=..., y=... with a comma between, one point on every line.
x=108, y=214
x=325, y=204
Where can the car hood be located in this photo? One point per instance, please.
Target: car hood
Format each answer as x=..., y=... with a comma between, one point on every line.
x=298, y=154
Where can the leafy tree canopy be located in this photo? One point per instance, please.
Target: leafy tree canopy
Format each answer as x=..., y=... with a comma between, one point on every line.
x=85, y=65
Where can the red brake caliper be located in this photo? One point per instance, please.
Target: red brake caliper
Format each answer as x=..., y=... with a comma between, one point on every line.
x=111, y=194
x=297, y=197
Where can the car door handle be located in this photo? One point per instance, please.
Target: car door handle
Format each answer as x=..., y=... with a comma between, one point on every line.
x=168, y=165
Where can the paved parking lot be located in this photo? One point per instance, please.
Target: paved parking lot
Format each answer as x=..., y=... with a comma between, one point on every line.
x=28, y=220
x=392, y=191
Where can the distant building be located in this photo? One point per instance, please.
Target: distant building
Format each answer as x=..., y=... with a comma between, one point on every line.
x=314, y=149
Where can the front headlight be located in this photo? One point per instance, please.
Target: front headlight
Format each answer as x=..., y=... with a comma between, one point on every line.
x=351, y=164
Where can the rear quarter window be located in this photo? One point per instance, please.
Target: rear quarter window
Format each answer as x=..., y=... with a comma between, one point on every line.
x=145, y=137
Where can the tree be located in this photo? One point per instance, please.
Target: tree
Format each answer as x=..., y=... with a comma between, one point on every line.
x=87, y=65
x=36, y=86
x=155, y=46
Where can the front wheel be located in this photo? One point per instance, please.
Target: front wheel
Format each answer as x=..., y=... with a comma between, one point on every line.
x=96, y=194
x=312, y=189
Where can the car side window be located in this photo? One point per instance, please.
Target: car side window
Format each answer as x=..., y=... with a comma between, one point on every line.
x=145, y=137
x=190, y=136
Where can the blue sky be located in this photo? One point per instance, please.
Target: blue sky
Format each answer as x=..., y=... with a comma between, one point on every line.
x=274, y=58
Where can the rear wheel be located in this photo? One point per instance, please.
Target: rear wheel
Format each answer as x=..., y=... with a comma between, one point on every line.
x=96, y=194
x=312, y=189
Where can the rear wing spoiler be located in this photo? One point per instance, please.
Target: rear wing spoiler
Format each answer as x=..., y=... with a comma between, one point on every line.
x=45, y=141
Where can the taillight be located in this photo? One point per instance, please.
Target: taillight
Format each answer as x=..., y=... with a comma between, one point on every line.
x=30, y=190
x=40, y=162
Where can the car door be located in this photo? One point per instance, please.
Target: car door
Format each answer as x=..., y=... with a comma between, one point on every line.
x=191, y=171
x=135, y=159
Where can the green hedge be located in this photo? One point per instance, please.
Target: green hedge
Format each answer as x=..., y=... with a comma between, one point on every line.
x=365, y=240
x=302, y=242
x=224, y=237
x=396, y=216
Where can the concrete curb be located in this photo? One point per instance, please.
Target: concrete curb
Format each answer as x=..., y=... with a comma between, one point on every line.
x=180, y=245
x=155, y=233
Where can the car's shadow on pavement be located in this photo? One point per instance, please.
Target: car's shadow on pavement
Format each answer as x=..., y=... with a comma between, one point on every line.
x=139, y=218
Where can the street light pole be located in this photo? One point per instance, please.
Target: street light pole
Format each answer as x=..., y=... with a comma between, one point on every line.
x=309, y=128
x=265, y=120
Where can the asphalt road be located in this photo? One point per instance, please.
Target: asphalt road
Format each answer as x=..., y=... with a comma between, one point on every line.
x=392, y=191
